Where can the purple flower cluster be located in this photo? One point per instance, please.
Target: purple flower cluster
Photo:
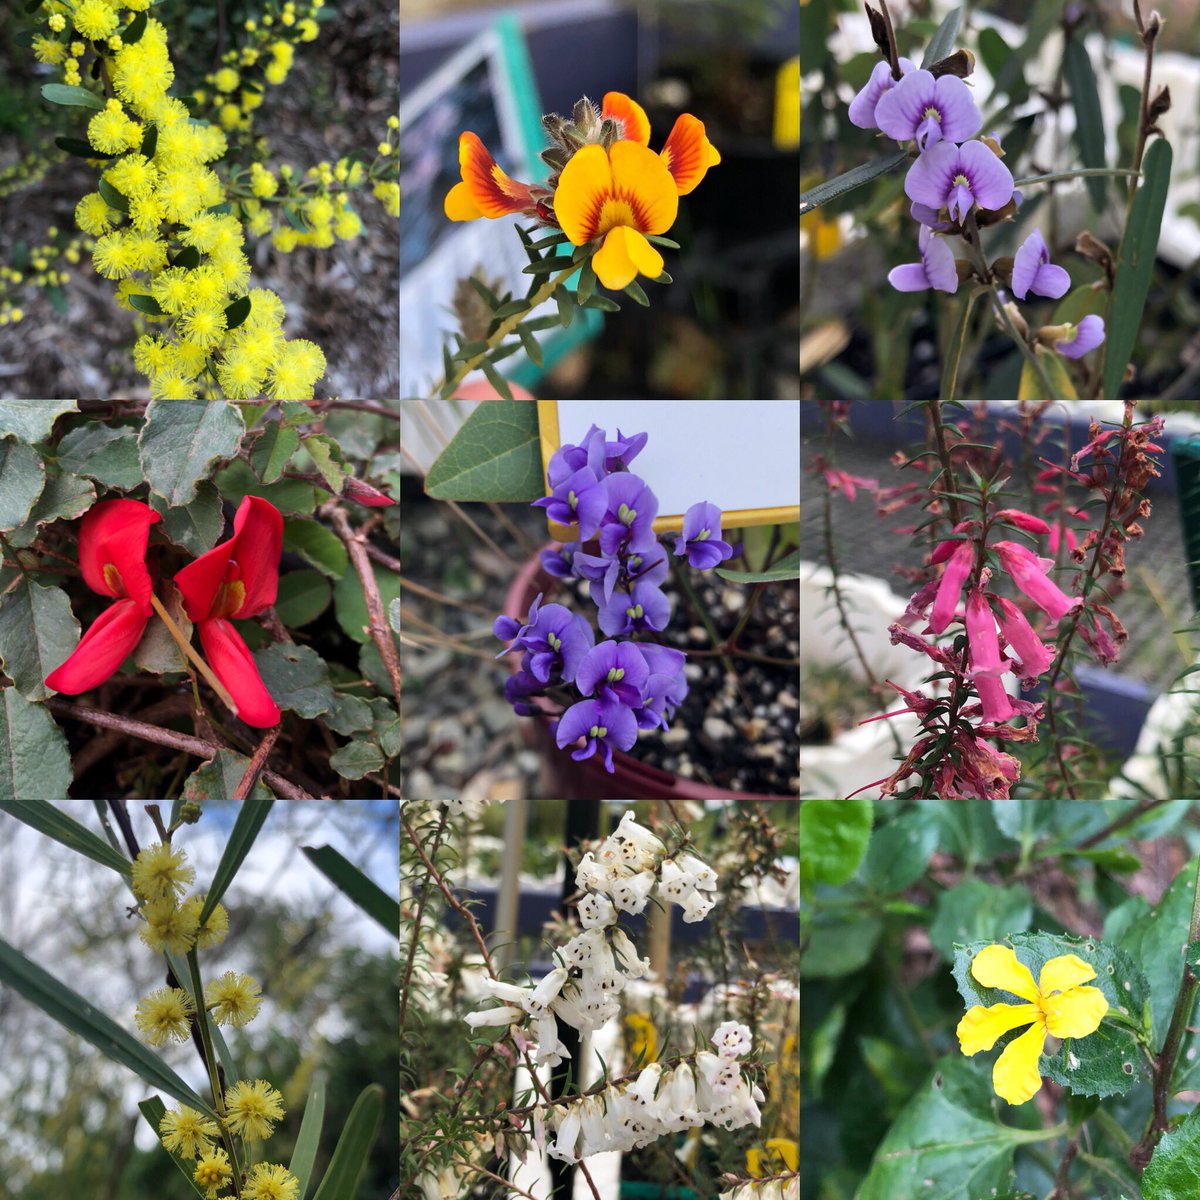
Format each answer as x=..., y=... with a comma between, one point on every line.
x=958, y=180
x=625, y=685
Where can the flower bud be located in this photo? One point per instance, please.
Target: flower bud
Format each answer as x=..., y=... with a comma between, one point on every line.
x=366, y=494
x=1019, y=322
x=960, y=63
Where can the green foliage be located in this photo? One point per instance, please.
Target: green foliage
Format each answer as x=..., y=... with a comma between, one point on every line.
x=34, y=763
x=1089, y=122
x=196, y=526
x=1174, y=1171
x=37, y=633
x=317, y=545
x=274, y=447
x=180, y=441
x=351, y=882
x=297, y=678
x=63, y=497
x=105, y=453
x=22, y=477
x=32, y=420
x=495, y=456
x=351, y=605
x=833, y=838
x=303, y=597
x=977, y=910
x=218, y=779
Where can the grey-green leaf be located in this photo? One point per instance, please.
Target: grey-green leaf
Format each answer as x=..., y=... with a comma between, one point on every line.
x=73, y=94
x=80, y=1017
x=64, y=497
x=496, y=455
x=196, y=526
x=942, y=42
x=351, y=604
x=297, y=678
x=180, y=441
x=250, y=818
x=38, y=631
x=787, y=567
x=22, y=477
x=1139, y=248
x=273, y=450
x=107, y=455
x=831, y=189
x=351, y=882
x=34, y=761
x=356, y=758
x=354, y=1147
x=32, y=420
x=218, y=779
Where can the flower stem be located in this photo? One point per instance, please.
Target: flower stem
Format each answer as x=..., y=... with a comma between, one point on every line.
x=1080, y=173
x=195, y=659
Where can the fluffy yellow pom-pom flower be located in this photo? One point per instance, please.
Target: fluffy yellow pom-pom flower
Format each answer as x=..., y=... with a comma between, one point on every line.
x=163, y=1015
x=252, y=1109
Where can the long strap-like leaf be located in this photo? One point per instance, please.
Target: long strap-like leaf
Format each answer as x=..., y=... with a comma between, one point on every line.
x=249, y=821
x=353, y=1148
x=351, y=882
x=77, y=1016
x=308, y=1139
x=54, y=823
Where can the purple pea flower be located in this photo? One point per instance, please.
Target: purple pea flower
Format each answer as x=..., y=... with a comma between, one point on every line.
x=568, y=459
x=604, y=572
x=929, y=110
x=959, y=177
x=559, y=561
x=630, y=509
x=862, y=107
x=579, y=497
x=936, y=269
x=517, y=687
x=606, y=724
x=553, y=636
x=1085, y=336
x=665, y=688
x=644, y=607
x=619, y=454
x=924, y=215
x=617, y=668
x=1034, y=272
x=701, y=537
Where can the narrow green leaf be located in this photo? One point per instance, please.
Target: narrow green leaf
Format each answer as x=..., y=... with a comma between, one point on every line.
x=942, y=42
x=602, y=303
x=509, y=309
x=496, y=380
x=636, y=292
x=150, y=137
x=351, y=882
x=78, y=1016
x=304, y=1154
x=1089, y=123
x=249, y=821
x=70, y=93
x=787, y=567
x=132, y=33
x=659, y=240
x=485, y=293
x=495, y=456
x=566, y=306
x=841, y=184
x=533, y=349
x=54, y=823
x=1138, y=251
x=146, y=304
x=587, y=283
x=354, y=1147
x=154, y=1110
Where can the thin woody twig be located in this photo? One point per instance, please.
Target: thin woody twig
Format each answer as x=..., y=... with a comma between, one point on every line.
x=257, y=763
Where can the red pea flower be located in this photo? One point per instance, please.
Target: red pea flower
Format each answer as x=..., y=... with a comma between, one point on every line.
x=238, y=578
x=113, y=536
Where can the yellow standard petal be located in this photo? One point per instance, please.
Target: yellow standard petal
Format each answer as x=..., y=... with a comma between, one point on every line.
x=624, y=254
x=980, y=1028
x=641, y=178
x=1015, y=1075
x=1074, y=1013
x=459, y=206
x=1065, y=971
x=586, y=182
x=999, y=967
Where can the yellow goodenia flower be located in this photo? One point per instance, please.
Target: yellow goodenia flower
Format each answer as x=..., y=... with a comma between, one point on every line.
x=1055, y=1005
x=619, y=195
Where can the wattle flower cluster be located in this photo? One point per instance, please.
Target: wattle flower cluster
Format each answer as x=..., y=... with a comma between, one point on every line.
x=607, y=185
x=628, y=866
x=958, y=184
x=627, y=685
x=702, y=1089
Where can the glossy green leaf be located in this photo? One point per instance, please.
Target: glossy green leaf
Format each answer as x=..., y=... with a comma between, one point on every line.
x=288, y=495
x=317, y=545
x=102, y=453
x=34, y=761
x=308, y=1140
x=273, y=450
x=253, y=812
x=38, y=632
x=188, y=258
x=146, y=304
x=112, y=197
x=1173, y=1173
x=54, y=823
x=196, y=526
x=942, y=42
x=1089, y=121
x=833, y=838
x=32, y=420
x=787, y=567
x=351, y=882
x=80, y=149
x=72, y=94
x=78, y=1016
x=132, y=33
x=847, y=182
x=237, y=312
x=22, y=477
x=354, y=1147
x=1139, y=248
x=180, y=441
x=297, y=678
x=496, y=455
x=947, y=1142
x=303, y=597
x=154, y=1110
x=1105, y=1063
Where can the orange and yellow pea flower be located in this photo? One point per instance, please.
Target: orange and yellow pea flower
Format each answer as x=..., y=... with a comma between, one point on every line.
x=688, y=153
x=1055, y=1005
x=485, y=190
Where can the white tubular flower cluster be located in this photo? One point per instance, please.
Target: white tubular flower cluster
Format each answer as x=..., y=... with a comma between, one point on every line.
x=770, y=1189
x=704, y=1089
x=463, y=806
x=595, y=964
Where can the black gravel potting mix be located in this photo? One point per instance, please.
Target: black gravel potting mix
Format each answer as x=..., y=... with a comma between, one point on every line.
x=460, y=733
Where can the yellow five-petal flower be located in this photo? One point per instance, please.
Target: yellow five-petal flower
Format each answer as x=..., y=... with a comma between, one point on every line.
x=1056, y=1004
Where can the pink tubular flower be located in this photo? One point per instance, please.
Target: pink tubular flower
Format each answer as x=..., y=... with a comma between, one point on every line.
x=1028, y=572
x=983, y=643
x=841, y=481
x=1023, y=520
x=951, y=586
x=1034, y=654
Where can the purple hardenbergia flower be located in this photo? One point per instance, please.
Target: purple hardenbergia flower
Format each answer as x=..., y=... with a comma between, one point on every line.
x=629, y=514
x=701, y=537
x=937, y=268
x=1081, y=338
x=618, y=668
x=578, y=497
x=958, y=178
x=863, y=106
x=928, y=110
x=645, y=606
x=605, y=724
x=1034, y=272
x=553, y=637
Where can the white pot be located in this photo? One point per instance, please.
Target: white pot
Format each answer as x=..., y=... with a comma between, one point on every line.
x=866, y=753
x=1172, y=725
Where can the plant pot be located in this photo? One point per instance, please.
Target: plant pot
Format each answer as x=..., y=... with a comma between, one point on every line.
x=588, y=780
x=633, y=1189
